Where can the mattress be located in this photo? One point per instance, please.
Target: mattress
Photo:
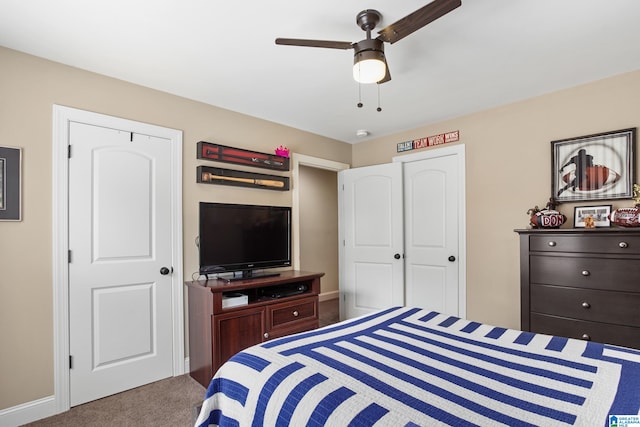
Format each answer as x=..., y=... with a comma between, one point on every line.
x=406, y=366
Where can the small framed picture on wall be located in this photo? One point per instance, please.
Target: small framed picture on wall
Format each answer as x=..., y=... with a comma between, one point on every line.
x=10, y=183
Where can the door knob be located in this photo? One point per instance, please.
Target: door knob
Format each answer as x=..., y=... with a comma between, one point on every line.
x=397, y=256
x=452, y=258
x=164, y=271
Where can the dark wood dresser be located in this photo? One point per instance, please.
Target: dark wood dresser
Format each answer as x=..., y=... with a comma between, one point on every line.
x=582, y=284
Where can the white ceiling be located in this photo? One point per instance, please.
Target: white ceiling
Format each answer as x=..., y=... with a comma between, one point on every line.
x=484, y=54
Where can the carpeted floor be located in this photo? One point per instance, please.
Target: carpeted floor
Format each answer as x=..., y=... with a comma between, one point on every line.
x=328, y=312
x=171, y=402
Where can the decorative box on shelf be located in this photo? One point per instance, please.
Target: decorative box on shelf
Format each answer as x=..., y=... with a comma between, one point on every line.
x=234, y=299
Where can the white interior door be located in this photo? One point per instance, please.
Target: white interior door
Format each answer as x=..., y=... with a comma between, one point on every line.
x=431, y=218
x=372, y=234
x=120, y=307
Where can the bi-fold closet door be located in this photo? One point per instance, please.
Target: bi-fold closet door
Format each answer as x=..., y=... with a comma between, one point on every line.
x=402, y=234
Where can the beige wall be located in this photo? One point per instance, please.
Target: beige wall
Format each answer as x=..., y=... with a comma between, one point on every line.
x=319, y=224
x=29, y=87
x=508, y=171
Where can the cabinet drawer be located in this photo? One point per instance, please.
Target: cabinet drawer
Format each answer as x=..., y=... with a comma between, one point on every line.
x=596, y=243
x=594, y=273
x=627, y=336
x=621, y=308
x=293, y=311
x=293, y=328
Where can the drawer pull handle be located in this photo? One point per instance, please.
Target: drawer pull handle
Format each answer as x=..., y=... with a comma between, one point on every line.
x=623, y=245
x=266, y=335
x=296, y=314
x=551, y=243
x=586, y=337
x=586, y=305
x=586, y=273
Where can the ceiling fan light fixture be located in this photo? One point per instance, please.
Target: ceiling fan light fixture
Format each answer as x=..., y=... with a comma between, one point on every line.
x=369, y=71
x=369, y=65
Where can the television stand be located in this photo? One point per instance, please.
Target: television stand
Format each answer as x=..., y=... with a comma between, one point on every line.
x=275, y=306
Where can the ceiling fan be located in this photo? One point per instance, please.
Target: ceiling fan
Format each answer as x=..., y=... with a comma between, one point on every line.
x=369, y=62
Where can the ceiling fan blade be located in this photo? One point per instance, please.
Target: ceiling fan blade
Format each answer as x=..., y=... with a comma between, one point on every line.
x=416, y=20
x=315, y=43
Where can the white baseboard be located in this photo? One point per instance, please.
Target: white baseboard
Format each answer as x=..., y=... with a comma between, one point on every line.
x=28, y=412
x=38, y=409
x=328, y=295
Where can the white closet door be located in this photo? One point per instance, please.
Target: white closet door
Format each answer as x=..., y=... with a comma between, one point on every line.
x=431, y=218
x=120, y=237
x=372, y=239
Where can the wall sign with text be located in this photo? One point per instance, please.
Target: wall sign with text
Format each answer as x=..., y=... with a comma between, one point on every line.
x=429, y=141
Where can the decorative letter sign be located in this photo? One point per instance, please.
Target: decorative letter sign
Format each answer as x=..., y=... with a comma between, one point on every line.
x=429, y=141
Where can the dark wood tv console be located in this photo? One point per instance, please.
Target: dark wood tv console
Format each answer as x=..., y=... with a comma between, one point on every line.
x=275, y=307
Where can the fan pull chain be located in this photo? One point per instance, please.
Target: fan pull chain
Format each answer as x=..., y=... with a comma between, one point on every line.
x=360, y=104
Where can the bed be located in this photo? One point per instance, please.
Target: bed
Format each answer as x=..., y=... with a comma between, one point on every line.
x=411, y=367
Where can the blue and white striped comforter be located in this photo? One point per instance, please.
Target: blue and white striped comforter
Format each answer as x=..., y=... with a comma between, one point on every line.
x=411, y=367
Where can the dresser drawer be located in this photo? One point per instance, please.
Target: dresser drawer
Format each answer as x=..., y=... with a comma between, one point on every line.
x=621, y=308
x=595, y=243
x=587, y=272
x=627, y=336
x=293, y=311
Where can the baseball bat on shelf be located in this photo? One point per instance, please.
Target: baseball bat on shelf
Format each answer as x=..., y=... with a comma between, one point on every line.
x=207, y=176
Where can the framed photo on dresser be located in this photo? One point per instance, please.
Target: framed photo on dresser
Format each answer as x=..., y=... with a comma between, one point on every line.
x=597, y=216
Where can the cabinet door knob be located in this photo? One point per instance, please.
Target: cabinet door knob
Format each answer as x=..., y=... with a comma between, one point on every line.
x=266, y=335
x=586, y=305
x=296, y=314
x=623, y=245
x=552, y=243
x=586, y=337
x=586, y=273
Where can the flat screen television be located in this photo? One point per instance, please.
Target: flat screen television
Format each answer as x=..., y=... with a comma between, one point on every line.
x=243, y=238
